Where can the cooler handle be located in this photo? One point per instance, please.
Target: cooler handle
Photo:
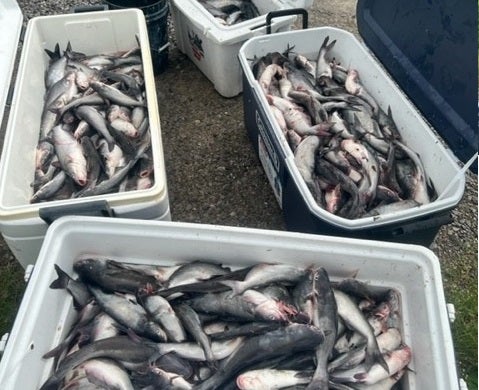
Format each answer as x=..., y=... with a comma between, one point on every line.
x=429, y=223
x=97, y=208
x=286, y=12
x=88, y=8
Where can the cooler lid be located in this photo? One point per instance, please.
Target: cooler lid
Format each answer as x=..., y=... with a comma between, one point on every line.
x=430, y=49
x=11, y=20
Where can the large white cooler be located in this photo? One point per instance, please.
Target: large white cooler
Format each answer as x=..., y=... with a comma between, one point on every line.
x=92, y=33
x=45, y=315
x=214, y=47
x=417, y=225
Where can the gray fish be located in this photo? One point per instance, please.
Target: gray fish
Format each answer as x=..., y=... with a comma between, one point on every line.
x=272, y=379
x=94, y=164
x=196, y=271
x=50, y=188
x=387, y=342
x=70, y=154
x=113, y=159
x=302, y=62
x=323, y=67
x=132, y=86
x=107, y=373
x=264, y=274
x=90, y=115
x=354, y=87
x=79, y=292
x=104, y=326
x=192, y=324
x=335, y=176
x=325, y=318
x=165, y=380
x=353, y=317
x=304, y=157
x=129, y=314
x=109, y=185
x=125, y=127
x=56, y=71
x=44, y=154
x=98, y=271
x=161, y=311
x=62, y=92
x=114, y=95
x=138, y=114
x=193, y=351
x=367, y=161
x=419, y=190
x=392, y=207
x=249, y=329
x=120, y=348
x=287, y=340
x=251, y=305
x=394, y=361
x=315, y=109
x=91, y=99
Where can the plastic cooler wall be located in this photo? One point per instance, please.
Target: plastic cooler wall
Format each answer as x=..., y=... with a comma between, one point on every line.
x=416, y=226
x=412, y=270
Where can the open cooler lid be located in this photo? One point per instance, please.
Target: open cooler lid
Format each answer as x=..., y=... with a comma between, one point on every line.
x=430, y=49
x=11, y=20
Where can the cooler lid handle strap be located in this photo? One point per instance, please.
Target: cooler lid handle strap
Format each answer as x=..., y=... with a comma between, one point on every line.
x=286, y=12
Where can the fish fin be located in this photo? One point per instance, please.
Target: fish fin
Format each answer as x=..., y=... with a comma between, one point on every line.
x=51, y=54
x=235, y=285
x=62, y=281
x=360, y=377
x=55, y=352
x=325, y=43
x=374, y=356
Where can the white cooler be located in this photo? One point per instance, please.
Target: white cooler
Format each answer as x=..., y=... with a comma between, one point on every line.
x=46, y=315
x=92, y=33
x=214, y=47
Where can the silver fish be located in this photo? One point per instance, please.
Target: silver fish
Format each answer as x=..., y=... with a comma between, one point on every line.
x=353, y=317
x=70, y=154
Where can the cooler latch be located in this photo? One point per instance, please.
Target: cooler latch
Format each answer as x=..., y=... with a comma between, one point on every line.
x=28, y=272
x=3, y=342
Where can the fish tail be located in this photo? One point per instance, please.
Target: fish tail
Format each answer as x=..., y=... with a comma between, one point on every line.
x=62, y=281
x=331, y=45
x=373, y=355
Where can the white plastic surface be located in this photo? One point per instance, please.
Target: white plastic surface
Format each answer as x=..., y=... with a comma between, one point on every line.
x=91, y=33
x=45, y=315
x=214, y=47
x=437, y=160
x=11, y=19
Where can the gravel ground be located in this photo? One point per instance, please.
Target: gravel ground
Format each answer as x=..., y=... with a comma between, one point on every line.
x=213, y=174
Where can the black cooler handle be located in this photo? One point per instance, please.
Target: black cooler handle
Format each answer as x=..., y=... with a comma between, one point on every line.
x=88, y=8
x=286, y=12
x=96, y=208
x=418, y=226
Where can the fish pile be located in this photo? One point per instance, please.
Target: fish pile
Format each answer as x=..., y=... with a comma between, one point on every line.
x=203, y=326
x=94, y=132
x=347, y=149
x=230, y=12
